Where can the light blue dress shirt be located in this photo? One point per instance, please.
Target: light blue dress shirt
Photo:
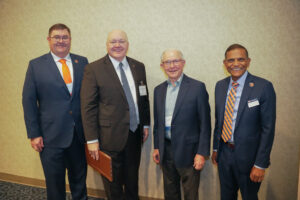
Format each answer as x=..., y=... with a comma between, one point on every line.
x=171, y=97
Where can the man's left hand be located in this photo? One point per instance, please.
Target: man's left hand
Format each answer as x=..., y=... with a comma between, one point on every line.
x=146, y=134
x=199, y=162
x=257, y=175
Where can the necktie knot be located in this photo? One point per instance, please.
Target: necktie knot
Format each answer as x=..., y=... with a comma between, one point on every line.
x=235, y=85
x=121, y=65
x=62, y=61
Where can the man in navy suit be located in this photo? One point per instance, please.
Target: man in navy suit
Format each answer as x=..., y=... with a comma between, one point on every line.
x=182, y=128
x=51, y=103
x=242, y=142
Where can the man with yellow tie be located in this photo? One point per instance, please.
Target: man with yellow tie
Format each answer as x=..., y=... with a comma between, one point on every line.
x=51, y=103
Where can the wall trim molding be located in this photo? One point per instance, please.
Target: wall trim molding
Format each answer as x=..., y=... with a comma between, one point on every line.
x=41, y=184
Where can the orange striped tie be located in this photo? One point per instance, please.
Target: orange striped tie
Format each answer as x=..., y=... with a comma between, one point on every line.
x=66, y=72
x=228, y=116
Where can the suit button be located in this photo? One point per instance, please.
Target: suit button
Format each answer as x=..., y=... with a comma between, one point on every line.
x=70, y=112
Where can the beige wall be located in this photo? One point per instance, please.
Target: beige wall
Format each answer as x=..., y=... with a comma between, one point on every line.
x=201, y=29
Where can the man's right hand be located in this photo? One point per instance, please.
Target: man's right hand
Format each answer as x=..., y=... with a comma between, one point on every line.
x=94, y=150
x=214, y=158
x=155, y=156
x=37, y=143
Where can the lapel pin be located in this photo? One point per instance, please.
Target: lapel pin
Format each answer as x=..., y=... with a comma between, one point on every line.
x=251, y=84
x=76, y=61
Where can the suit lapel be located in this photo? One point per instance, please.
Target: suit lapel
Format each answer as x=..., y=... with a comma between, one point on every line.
x=162, y=100
x=223, y=96
x=75, y=74
x=135, y=76
x=184, y=87
x=114, y=76
x=55, y=71
x=244, y=97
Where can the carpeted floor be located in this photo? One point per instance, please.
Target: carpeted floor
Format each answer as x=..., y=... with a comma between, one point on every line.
x=13, y=191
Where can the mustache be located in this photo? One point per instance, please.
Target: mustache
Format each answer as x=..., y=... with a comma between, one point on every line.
x=60, y=44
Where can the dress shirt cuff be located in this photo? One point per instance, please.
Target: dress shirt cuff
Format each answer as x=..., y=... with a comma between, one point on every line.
x=146, y=126
x=92, y=141
x=258, y=167
x=215, y=150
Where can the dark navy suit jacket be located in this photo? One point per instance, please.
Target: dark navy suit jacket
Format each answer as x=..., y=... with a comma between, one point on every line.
x=49, y=109
x=255, y=125
x=190, y=125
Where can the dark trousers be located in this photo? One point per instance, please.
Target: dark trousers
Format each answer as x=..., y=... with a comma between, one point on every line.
x=125, y=167
x=231, y=179
x=172, y=176
x=55, y=161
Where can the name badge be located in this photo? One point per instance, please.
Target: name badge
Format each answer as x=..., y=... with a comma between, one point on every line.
x=252, y=103
x=142, y=89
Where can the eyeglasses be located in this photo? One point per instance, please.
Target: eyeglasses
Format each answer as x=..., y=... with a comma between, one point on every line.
x=240, y=60
x=57, y=38
x=114, y=42
x=169, y=62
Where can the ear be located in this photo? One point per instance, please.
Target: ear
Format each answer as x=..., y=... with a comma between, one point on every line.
x=248, y=62
x=48, y=38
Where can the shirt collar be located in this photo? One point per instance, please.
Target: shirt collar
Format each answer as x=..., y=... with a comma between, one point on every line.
x=241, y=80
x=178, y=82
x=56, y=58
x=116, y=62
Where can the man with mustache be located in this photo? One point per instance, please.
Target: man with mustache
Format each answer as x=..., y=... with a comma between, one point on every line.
x=245, y=107
x=115, y=114
x=182, y=128
x=51, y=103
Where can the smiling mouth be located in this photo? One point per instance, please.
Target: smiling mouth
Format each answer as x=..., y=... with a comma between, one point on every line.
x=236, y=69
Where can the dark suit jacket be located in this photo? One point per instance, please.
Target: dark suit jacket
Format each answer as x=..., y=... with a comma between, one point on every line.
x=49, y=109
x=254, y=127
x=190, y=126
x=105, y=111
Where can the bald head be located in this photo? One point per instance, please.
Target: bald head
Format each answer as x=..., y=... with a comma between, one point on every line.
x=117, y=44
x=117, y=34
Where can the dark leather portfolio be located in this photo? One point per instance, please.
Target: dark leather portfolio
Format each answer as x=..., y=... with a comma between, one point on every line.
x=102, y=165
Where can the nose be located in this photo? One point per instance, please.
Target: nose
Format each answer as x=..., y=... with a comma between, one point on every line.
x=236, y=62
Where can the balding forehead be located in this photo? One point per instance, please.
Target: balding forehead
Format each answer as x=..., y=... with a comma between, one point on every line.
x=171, y=51
x=117, y=34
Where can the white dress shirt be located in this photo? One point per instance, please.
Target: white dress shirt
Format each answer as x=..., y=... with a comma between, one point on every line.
x=59, y=66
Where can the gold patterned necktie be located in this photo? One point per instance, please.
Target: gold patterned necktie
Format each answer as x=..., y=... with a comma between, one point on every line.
x=228, y=115
x=66, y=72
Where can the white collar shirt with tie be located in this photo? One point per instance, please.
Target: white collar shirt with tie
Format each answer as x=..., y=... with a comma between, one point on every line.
x=70, y=66
x=130, y=80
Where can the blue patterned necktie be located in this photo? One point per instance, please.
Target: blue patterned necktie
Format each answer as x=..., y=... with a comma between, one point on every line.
x=132, y=111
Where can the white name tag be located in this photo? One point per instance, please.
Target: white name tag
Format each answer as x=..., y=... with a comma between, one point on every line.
x=143, y=91
x=252, y=103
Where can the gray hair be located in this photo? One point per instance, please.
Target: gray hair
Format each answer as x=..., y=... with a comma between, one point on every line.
x=168, y=50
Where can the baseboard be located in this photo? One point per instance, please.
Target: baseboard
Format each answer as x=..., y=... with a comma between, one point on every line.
x=41, y=184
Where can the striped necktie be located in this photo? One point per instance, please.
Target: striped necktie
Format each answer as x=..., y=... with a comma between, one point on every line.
x=228, y=115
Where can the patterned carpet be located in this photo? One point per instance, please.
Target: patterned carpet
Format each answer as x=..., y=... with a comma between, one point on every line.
x=13, y=191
